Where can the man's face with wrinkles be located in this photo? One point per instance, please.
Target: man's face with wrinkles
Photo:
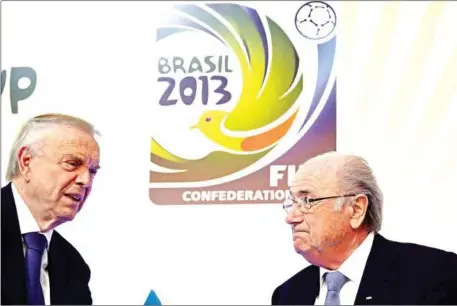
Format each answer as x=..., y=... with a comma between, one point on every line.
x=61, y=175
x=323, y=227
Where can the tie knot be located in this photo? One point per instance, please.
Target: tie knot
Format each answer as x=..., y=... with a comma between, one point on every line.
x=35, y=241
x=335, y=280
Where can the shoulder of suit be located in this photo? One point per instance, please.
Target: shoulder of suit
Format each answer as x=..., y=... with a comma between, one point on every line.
x=425, y=251
x=6, y=192
x=304, y=273
x=426, y=257
x=66, y=247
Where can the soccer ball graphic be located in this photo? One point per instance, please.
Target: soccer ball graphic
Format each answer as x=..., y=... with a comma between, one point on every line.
x=315, y=20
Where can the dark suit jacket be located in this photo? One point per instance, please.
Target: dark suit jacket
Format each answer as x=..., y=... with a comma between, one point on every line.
x=68, y=273
x=395, y=273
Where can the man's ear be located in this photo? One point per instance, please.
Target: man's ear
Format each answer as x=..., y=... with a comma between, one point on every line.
x=24, y=157
x=359, y=210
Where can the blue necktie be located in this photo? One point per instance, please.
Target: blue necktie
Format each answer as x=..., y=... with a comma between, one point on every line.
x=334, y=281
x=36, y=243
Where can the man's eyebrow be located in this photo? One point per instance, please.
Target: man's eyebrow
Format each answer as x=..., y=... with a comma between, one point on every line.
x=304, y=191
x=79, y=158
x=71, y=156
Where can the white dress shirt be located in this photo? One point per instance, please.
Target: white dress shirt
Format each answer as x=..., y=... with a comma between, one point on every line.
x=28, y=224
x=353, y=269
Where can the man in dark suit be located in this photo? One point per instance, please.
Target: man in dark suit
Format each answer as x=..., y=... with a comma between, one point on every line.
x=51, y=168
x=335, y=212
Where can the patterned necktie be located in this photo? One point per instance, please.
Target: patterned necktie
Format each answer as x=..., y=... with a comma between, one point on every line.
x=335, y=281
x=36, y=243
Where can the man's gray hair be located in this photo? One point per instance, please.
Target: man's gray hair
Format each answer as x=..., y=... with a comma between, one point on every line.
x=31, y=134
x=358, y=177
x=355, y=176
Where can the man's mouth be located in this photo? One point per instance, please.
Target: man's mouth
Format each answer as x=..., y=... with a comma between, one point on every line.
x=74, y=197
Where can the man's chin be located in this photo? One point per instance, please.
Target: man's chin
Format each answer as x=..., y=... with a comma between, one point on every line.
x=68, y=215
x=301, y=247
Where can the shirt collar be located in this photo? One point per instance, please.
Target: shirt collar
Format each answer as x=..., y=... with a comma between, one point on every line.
x=354, y=265
x=27, y=222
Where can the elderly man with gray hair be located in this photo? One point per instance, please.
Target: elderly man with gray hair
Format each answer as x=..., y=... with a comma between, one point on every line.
x=335, y=212
x=52, y=165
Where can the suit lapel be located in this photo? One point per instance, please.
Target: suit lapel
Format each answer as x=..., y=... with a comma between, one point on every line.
x=58, y=272
x=377, y=286
x=305, y=288
x=312, y=286
x=13, y=260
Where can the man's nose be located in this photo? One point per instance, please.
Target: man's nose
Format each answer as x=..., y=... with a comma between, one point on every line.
x=294, y=216
x=84, y=178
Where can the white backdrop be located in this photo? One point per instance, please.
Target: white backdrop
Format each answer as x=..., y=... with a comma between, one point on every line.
x=397, y=107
